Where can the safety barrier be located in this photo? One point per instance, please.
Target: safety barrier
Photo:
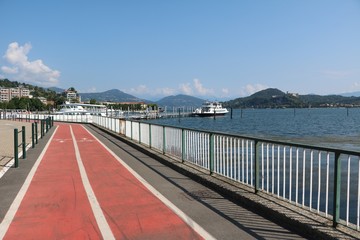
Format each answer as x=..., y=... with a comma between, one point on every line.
x=45, y=124
x=325, y=181
x=322, y=180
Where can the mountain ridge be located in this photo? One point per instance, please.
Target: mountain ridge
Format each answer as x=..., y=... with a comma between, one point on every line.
x=275, y=98
x=180, y=100
x=268, y=98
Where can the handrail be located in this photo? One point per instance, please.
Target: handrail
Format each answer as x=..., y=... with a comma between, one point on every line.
x=302, y=174
x=308, y=176
x=45, y=125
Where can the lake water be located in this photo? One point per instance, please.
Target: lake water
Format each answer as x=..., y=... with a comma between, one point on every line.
x=331, y=127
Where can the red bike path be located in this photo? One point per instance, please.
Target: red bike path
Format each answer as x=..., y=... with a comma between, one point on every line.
x=103, y=201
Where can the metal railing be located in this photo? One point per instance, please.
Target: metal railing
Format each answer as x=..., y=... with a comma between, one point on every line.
x=38, y=117
x=325, y=181
x=322, y=180
x=45, y=125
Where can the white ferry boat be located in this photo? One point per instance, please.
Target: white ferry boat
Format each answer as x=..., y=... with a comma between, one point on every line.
x=210, y=109
x=81, y=109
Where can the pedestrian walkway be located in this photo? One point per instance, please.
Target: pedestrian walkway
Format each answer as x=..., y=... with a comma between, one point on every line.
x=7, y=141
x=82, y=188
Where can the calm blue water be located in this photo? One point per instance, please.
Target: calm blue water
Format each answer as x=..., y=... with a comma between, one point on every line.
x=332, y=127
x=337, y=127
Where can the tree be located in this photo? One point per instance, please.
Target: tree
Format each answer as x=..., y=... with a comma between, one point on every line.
x=72, y=89
x=92, y=101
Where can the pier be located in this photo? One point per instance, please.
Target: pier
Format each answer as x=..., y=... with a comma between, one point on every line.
x=102, y=181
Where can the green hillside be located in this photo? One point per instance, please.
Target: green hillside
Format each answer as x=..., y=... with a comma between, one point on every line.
x=274, y=98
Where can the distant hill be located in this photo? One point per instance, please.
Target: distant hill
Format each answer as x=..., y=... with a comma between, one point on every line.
x=274, y=98
x=268, y=98
x=56, y=89
x=180, y=100
x=113, y=95
x=351, y=94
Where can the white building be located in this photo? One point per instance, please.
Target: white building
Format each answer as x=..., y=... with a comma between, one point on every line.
x=6, y=94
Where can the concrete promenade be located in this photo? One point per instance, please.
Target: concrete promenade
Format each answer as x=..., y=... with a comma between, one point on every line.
x=7, y=139
x=81, y=183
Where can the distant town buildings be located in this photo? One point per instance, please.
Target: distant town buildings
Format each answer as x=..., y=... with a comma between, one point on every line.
x=43, y=100
x=293, y=94
x=72, y=95
x=6, y=94
x=143, y=105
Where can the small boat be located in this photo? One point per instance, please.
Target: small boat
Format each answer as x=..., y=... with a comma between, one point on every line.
x=210, y=109
x=81, y=109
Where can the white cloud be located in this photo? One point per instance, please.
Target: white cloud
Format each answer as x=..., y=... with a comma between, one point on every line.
x=165, y=91
x=225, y=91
x=251, y=89
x=9, y=70
x=21, y=69
x=200, y=89
x=186, y=88
x=143, y=90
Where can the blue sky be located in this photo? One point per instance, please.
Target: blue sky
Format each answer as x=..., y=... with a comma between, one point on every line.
x=206, y=48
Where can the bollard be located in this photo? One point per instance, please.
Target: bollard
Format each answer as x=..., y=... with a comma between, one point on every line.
x=33, y=135
x=43, y=123
x=36, y=132
x=47, y=124
x=42, y=128
x=23, y=141
x=16, y=151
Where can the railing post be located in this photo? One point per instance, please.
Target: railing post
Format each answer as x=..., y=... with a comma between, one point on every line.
x=150, y=135
x=337, y=189
x=33, y=135
x=23, y=141
x=182, y=145
x=41, y=128
x=256, y=166
x=139, y=133
x=131, y=126
x=47, y=121
x=212, y=148
x=164, y=141
x=16, y=150
x=36, y=132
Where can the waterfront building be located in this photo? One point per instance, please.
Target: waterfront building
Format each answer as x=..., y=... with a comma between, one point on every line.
x=6, y=94
x=72, y=95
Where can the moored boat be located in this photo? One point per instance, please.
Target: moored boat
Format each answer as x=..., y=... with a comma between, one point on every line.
x=81, y=109
x=210, y=109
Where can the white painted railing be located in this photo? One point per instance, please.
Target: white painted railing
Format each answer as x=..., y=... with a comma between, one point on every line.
x=325, y=181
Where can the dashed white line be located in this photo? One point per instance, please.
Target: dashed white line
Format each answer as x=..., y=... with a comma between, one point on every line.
x=95, y=206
